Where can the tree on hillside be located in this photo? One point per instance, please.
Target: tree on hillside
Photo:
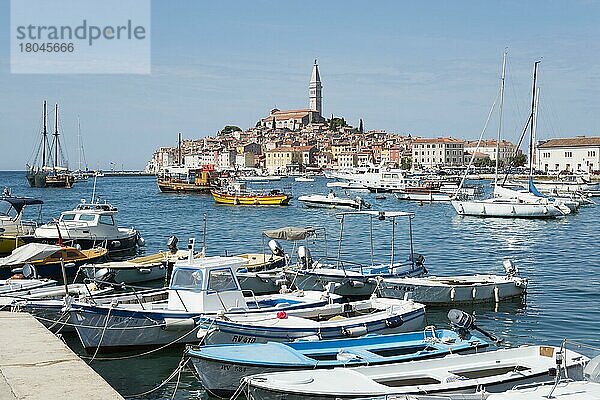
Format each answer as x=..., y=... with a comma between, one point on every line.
x=518, y=161
x=229, y=129
x=336, y=123
x=361, y=128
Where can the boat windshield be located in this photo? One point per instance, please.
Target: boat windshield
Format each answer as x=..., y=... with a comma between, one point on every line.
x=187, y=279
x=67, y=217
x=221, y=280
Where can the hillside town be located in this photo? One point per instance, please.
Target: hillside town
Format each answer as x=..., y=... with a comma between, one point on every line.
x=299, y=140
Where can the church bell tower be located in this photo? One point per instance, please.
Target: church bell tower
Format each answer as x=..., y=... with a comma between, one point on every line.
x=315, y=99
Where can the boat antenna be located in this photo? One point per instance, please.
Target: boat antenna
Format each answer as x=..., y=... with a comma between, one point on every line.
x=94, y=189
x=500, y=116
x=204, y=236
x=44, y=138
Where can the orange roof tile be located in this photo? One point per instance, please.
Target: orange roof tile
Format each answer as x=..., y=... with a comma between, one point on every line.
x=579, y=141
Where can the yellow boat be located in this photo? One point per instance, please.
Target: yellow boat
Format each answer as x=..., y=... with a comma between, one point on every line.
x=272, y=198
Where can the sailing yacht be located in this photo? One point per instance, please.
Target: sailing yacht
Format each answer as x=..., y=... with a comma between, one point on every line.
x=509, y=202
x=80, y=175
x=49, y=173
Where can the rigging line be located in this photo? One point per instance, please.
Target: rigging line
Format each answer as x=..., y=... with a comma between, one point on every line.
x=180, y=367
x=489, y=116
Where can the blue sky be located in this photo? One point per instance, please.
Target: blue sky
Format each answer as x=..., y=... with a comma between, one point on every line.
x=428, y=68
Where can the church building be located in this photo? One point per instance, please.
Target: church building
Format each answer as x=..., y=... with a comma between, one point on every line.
x=298, y=119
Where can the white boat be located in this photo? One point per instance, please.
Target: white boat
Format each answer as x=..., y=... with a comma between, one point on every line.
x=332, y=321
x=202, y=292
x=378, y=179
x=333, y=201
x=89, y=225
x=19, y=286
x=52, y=292
x=494, y=371
x=347, y=186
x=305, y=178
x=351, y=278
x=140, y=269
x=462, y=289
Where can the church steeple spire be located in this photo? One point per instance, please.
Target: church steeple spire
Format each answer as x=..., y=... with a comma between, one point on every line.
x=315, y=99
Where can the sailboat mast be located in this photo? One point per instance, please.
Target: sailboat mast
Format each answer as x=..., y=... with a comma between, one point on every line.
x=55, y=135
x=532, y=126
x=500, y=116
x=44, y=138
x=79, y=144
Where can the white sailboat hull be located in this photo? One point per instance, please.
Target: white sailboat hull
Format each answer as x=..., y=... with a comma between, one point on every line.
x=505, y=208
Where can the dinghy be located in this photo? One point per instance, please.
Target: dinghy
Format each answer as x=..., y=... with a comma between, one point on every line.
x=494, y=371
x=221, y=367
x=462, y=289
x=80, y=290
x=13, y=286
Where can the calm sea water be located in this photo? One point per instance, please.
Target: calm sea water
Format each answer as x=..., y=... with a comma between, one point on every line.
x=560, y=257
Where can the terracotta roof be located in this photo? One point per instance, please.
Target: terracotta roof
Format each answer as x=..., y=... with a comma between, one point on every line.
x=579, y=141
x=488, y=143
x=288, y=114
x=438, y=140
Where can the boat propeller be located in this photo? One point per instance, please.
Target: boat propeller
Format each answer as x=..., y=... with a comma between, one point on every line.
x=466, y=322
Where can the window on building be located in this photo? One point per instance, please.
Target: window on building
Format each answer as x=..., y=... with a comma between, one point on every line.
x=568, y=154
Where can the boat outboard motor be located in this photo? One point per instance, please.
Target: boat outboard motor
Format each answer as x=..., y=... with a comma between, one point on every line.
x=172, y=244
x=510, y=268
x=276, y=248
x=465, y=322
x=304, y=256
x=104, y=275
x=29, y=271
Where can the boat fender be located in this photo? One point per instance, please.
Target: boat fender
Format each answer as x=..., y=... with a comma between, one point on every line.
x=394, y=322
x=474, y=293
x=452, y=293
x=281, y=315
x=344, y=356
x=355, y=331
x=115, y=244
x=357, y=284
x=178, y=324
x=372, y=281
x=496, y=294
x=141, y=241
x=204, y=333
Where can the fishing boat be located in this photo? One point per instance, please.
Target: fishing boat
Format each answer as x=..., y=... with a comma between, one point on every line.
x=51, y=171
x=461, y=289
x=508, y=202
x=240, y=195
x=330, y=321
x=91, y=225
x=14, y=286
x=220, y=368
x=202, y=292
x=137, y=270
x=14, y=230
x=47, y=259
x=351, y=278
x=304, y=178
x=333, y=201
x=493, y=371
x=15, y=301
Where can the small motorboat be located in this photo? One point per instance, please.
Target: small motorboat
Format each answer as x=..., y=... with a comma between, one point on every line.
x=141, y=269
x=221, y=367
x=79, y=290
x=330, y=321
x=91, y=225
x=333, y=201
x=47, y=258
x=462, y=289
x=15, y=286
x=304, y=178
x=495, y=371
x=262, y=274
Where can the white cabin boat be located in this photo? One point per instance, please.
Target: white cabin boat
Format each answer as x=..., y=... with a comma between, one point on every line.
x=333, y=201
x=89, y=225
